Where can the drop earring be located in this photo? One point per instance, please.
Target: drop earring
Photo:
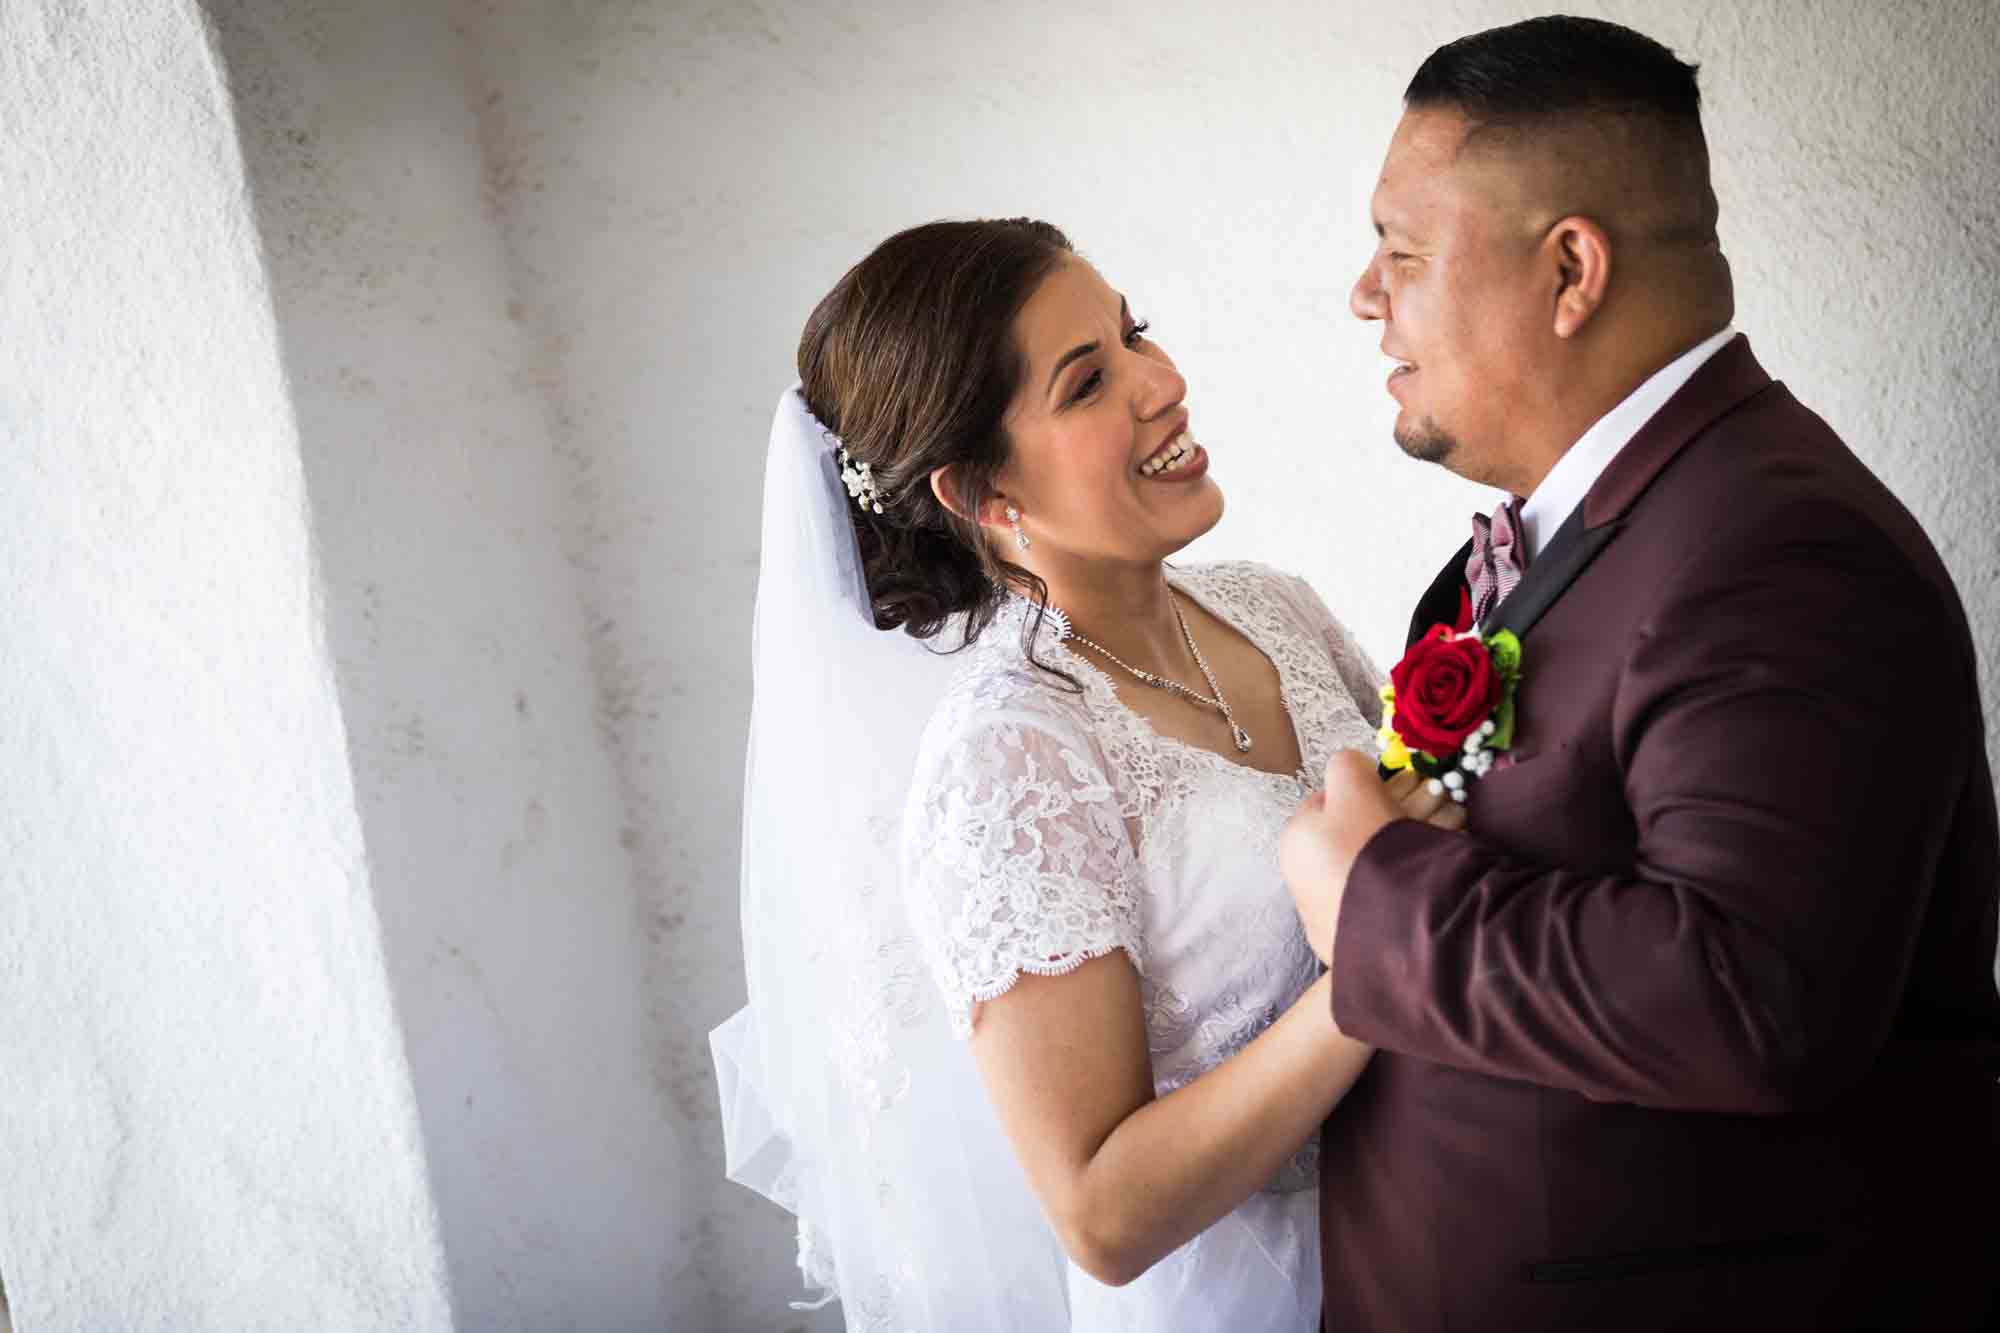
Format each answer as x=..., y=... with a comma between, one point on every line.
x=1020, y=537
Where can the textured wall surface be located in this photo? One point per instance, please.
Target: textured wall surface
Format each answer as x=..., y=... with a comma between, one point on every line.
x=465, y=665
x=207, y=1120
x=536, y=273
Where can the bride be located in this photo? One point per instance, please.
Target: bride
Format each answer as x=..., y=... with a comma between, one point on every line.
x=1035, y=1039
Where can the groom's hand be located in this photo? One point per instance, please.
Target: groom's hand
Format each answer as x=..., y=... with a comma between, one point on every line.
x=1324, y=837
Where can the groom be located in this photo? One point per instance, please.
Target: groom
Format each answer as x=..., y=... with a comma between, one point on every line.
x=1695, y=1025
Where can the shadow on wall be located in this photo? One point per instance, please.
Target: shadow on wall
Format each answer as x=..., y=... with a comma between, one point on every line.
x=462, y=662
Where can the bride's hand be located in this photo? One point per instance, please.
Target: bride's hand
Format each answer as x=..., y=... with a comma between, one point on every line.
x=1415, y=799
x=1322, y=839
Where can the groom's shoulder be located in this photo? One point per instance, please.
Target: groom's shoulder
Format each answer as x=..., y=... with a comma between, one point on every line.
x=1774, y=461
x=1773, y=474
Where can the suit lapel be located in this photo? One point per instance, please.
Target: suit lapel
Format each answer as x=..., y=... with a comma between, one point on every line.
x=1572, y=548
x=1727, y=380
x=1439, y=604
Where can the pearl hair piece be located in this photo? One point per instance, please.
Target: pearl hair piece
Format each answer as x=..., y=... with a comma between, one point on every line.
x=860, y=482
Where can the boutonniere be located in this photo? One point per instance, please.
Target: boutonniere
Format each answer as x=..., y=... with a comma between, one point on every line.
x=1448, y=709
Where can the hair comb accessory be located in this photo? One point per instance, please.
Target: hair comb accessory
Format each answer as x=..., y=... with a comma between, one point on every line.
x=860, y=482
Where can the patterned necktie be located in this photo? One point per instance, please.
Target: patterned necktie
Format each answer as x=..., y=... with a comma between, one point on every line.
x=1498, y=559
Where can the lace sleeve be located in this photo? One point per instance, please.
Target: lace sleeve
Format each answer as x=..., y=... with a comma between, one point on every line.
x=1351, y=662
x=1015, y=859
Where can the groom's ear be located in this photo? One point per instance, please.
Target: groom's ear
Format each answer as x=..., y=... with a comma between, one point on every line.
x=1582, y=254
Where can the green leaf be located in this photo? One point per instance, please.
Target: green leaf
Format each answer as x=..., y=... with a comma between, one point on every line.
x=1505, y=647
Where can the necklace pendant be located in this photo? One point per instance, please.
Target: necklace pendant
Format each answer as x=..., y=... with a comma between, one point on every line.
x=1242, y=738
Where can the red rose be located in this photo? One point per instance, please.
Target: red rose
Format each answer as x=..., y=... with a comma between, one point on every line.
x=1445, y=687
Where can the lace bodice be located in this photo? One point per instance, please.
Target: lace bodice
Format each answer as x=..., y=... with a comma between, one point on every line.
x=1046, y=828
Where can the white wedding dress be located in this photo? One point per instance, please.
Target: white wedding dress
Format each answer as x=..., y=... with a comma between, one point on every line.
x=1046, y=828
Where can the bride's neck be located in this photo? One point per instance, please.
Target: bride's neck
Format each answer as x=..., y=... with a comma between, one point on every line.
x=1125, y=608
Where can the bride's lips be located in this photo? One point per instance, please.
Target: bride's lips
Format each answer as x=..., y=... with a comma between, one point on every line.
x=1181, y=458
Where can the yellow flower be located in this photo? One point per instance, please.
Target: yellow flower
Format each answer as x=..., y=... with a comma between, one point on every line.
x=1395, y=754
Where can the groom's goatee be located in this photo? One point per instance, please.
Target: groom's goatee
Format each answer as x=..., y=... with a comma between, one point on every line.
x=1426, y=443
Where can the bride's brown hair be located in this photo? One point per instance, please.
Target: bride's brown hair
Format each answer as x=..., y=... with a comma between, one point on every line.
x=911, y=361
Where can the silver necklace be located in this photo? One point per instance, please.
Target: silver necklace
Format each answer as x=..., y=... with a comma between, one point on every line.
x=1218, y=703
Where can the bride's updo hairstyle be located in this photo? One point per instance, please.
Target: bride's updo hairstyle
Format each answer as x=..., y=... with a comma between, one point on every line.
x=911, y=361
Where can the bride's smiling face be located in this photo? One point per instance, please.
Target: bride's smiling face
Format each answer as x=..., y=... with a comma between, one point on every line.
x=1102, y=463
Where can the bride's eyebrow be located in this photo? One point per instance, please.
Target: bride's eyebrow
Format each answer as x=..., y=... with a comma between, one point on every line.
x=1085, y=349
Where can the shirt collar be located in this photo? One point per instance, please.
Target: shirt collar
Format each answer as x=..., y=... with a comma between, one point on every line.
x=1580, y=467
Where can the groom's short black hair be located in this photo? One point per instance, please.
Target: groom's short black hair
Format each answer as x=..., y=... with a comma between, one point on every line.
x=1559, y=78
x=1553, y=67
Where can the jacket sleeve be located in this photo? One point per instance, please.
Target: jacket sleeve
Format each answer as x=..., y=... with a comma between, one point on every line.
x=1791, y=729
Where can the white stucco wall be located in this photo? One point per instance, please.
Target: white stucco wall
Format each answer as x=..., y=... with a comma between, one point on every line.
x=207, y=1120
x=532, y=276
x=466, y=667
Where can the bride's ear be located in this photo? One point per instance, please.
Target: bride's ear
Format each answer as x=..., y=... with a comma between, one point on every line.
x=944, y=486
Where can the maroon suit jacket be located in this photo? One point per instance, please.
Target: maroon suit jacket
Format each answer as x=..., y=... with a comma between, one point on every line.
x=1696, y=1025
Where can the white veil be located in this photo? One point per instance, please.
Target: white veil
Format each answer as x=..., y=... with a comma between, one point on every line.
x=844, y=1096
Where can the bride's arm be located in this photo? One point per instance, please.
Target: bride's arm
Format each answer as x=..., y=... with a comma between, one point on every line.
x=1126, y=1177
x=1021, y=878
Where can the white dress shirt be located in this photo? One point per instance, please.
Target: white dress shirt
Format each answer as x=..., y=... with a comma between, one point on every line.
x=1578, y=470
